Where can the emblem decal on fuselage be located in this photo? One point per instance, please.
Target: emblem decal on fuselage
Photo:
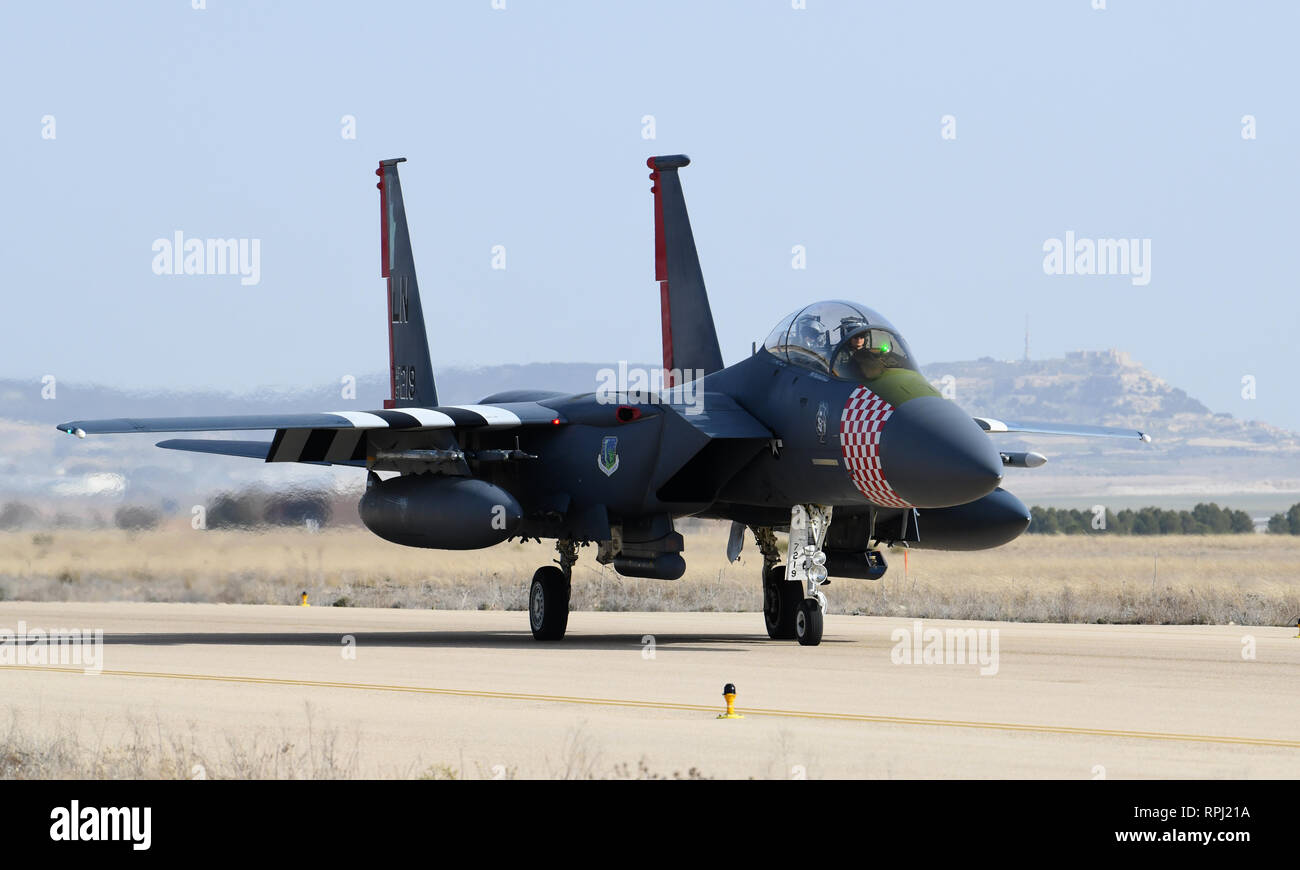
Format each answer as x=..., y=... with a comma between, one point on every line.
x=607, y=460
x=821, y=423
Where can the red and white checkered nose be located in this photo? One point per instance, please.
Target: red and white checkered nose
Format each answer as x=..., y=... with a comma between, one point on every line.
x=925, y=453
x=861, y=424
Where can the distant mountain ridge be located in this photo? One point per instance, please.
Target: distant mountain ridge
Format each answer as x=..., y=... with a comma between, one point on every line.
x=1195, y=453
x=1105, y=383
x=1103, y=387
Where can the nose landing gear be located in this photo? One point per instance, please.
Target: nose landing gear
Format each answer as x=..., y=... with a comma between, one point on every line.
x=793, y=603
x=808, y=622
x=808, y=525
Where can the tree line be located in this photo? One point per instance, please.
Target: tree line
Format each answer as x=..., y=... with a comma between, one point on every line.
x=249, y=508
x=1204, y=519
x=1287, y=523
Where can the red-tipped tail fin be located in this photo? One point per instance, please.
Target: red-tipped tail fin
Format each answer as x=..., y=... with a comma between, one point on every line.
x=689, y=339
x=410, y=373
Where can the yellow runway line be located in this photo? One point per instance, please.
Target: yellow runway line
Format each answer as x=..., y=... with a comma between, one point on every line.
x=692, y=708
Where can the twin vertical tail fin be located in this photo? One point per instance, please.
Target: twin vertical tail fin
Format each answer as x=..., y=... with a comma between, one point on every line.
x=690, y=340
x=408, y=347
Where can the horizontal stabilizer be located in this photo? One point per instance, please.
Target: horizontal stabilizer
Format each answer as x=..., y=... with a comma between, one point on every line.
x=246, y=449
x=260, y=450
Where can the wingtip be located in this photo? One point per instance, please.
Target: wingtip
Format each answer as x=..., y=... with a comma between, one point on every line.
x=71, y=429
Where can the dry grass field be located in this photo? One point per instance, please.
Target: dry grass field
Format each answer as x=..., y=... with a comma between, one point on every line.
x=1242, y=579
x=151, y=749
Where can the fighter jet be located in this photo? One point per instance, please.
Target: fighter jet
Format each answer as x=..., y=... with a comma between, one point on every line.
x=827, y=432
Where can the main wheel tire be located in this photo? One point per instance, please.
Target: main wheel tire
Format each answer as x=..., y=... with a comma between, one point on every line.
x=781, y=599
x=808, y=622
x=548, y=603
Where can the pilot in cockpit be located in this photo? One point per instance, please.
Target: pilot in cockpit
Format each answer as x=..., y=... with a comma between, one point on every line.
x=858, y=360
x=811, y=337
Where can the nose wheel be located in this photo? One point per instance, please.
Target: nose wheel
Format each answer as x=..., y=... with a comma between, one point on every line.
x=807, y=571
x=808, y=622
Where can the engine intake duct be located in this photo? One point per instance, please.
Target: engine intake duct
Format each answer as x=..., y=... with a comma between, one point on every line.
x=854, y=565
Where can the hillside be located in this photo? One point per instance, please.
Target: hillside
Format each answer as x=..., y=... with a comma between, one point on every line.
x=1195, y=453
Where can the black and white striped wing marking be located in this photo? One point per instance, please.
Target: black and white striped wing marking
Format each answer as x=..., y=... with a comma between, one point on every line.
x=349, y=445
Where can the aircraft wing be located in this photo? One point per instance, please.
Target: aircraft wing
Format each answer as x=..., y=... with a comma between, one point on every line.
x=329, y=438
x=503, y=416
x=988, y=424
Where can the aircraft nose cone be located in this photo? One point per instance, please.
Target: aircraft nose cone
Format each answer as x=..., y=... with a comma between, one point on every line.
x=934, y=455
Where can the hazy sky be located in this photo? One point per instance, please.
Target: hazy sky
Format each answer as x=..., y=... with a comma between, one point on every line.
x=524, y=128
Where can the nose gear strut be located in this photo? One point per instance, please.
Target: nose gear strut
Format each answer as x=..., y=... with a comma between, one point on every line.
x=808, y=525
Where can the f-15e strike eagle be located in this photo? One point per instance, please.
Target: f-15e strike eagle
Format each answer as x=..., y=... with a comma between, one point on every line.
x=828, y=432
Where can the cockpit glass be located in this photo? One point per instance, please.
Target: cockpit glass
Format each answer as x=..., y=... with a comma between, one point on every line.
x=868, y=353
x=842, y=339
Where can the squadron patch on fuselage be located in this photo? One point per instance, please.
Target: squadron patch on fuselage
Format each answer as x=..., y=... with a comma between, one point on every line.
x=607, y=459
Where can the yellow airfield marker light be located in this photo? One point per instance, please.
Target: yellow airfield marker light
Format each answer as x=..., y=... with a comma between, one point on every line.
x=304, y=603
x=729, y=692
x=1297, y=626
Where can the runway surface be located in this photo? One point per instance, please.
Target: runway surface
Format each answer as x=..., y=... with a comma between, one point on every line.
x=472, y=693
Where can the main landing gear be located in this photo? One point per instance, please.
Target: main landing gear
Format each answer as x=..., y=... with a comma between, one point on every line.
x=793, y=604
x=781, y=597
x=548, y=596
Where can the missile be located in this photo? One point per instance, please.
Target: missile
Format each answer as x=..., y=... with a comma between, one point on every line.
x=1023, y=460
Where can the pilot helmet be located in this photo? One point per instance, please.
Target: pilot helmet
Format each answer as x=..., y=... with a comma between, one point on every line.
x=810, y=332
x=851, y=326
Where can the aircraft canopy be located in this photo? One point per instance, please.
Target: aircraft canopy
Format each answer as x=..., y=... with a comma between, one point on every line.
x=839, y=338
